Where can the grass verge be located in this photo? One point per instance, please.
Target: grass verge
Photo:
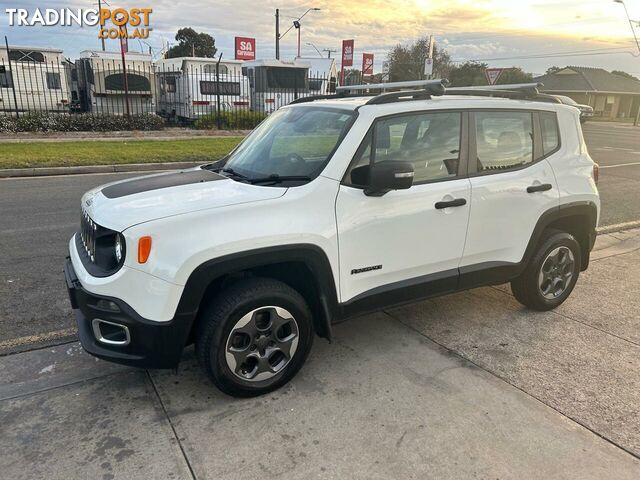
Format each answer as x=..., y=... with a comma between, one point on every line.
x=81, y=153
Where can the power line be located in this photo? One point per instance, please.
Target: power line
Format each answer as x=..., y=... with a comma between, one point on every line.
x=576, y=53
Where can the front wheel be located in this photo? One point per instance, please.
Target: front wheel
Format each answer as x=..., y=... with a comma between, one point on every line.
x=254, y=337
x=551, y=274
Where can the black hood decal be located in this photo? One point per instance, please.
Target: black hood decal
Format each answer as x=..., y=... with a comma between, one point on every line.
x=144, y=184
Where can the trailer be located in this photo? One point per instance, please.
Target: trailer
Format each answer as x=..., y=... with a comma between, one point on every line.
x=37, y=78
x=275, y=83
x=104, y=88
x=190, y=87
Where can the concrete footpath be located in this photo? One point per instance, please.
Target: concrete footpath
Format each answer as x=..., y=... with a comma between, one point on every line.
x=470, y=385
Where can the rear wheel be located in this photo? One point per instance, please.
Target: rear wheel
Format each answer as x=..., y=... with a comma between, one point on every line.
x=254, y=337
x=551, y=274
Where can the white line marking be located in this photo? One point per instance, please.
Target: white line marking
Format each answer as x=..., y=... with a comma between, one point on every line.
x=621, y=164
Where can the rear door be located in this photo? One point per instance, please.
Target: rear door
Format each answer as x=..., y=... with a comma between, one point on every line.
x=512, y=184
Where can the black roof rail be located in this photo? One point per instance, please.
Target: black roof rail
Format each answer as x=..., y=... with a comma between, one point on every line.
x=518, y=91
x=425, y=89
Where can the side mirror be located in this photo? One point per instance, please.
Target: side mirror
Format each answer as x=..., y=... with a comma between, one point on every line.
x=389, y=175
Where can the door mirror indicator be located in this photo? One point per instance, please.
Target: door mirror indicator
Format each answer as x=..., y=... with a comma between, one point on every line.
x=389, y=175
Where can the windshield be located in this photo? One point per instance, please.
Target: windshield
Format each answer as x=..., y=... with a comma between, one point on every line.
x=292, y=142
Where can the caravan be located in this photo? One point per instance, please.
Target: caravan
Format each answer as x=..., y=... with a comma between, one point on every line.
x=102, y=84
x=190, y=87
x=38, y=78
x=275, y=83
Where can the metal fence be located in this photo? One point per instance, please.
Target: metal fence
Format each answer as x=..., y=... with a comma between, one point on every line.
x=215, y=94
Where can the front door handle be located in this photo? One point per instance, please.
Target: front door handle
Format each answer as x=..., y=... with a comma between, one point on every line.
x=543, y=187
x=458, y=202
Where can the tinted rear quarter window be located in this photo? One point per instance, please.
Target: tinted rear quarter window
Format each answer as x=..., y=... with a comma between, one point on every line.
x=550, y=132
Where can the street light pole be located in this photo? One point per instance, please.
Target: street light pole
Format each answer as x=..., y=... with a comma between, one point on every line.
x=315, y=48
x=101, y=36
x=633, y=29
x=636, y=122
x=296, y=24
x=277, y=34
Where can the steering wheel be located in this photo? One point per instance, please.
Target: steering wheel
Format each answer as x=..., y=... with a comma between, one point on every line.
x=295, y=162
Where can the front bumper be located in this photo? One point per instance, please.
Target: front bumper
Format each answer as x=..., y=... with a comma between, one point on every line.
x=150, y=344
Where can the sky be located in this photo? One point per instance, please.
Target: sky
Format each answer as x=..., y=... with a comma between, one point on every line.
x=502, y=33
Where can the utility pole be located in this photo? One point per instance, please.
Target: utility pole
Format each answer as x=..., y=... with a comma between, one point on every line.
x=329, y=51
x=633, y=30
x=13, y=85
x=277, y=34
x=99, y=24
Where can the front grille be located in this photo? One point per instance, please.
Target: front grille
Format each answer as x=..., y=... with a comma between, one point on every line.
x=88, y=233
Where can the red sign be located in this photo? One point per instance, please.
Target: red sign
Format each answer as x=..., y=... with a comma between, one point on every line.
x=245, y=48
x=347, y=53
x=493, y=74
x=367, y=64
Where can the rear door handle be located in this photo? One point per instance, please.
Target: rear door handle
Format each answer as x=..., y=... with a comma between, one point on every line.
x=539, y=188
x=458, y=202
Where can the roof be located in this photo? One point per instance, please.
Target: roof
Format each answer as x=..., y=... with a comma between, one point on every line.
x=319, y=66
x=588, y=79
x=435, y=103
x=145, y=57
x=199, y=60
x=277, y=63
x=31, y=48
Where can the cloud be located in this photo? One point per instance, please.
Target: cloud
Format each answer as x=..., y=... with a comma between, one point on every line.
x=469, y=29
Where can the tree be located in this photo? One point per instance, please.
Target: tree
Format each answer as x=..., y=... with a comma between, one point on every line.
x=352, y=76
x=193, y=44
x=553, y=69
x=514, y=75
x=473, y=73
x=468, y=74
x=624, y=74
x=406, y=62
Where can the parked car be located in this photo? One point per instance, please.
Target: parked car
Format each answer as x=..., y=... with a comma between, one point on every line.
x=329, y=209
x=586, y=111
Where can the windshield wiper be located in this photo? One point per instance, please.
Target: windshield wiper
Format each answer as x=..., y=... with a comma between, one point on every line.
x=275, y=178
x=233, y=173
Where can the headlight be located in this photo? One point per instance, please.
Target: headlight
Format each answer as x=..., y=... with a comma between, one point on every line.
x=119, y=248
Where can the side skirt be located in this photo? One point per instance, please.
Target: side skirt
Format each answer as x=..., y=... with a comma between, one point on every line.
x=429, y=286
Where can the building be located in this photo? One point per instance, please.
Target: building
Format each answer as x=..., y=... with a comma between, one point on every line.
x=37, y=76
x=611, y=96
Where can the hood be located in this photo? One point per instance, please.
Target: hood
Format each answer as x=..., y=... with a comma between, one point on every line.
x=125, y=203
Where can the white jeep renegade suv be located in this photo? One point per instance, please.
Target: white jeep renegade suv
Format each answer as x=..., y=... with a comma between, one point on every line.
x=330, y=208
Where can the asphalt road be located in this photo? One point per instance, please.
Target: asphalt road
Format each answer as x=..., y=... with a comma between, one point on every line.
x=39, y=215
x=616, y=148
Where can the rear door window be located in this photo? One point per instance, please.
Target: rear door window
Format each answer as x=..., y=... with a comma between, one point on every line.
x=504, y=139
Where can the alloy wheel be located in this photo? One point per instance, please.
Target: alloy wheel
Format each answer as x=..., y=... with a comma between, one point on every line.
x=556, y=272
x=262, y=343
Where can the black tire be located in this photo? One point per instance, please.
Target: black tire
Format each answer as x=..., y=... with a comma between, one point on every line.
x=222, y=315
x=526, y=288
